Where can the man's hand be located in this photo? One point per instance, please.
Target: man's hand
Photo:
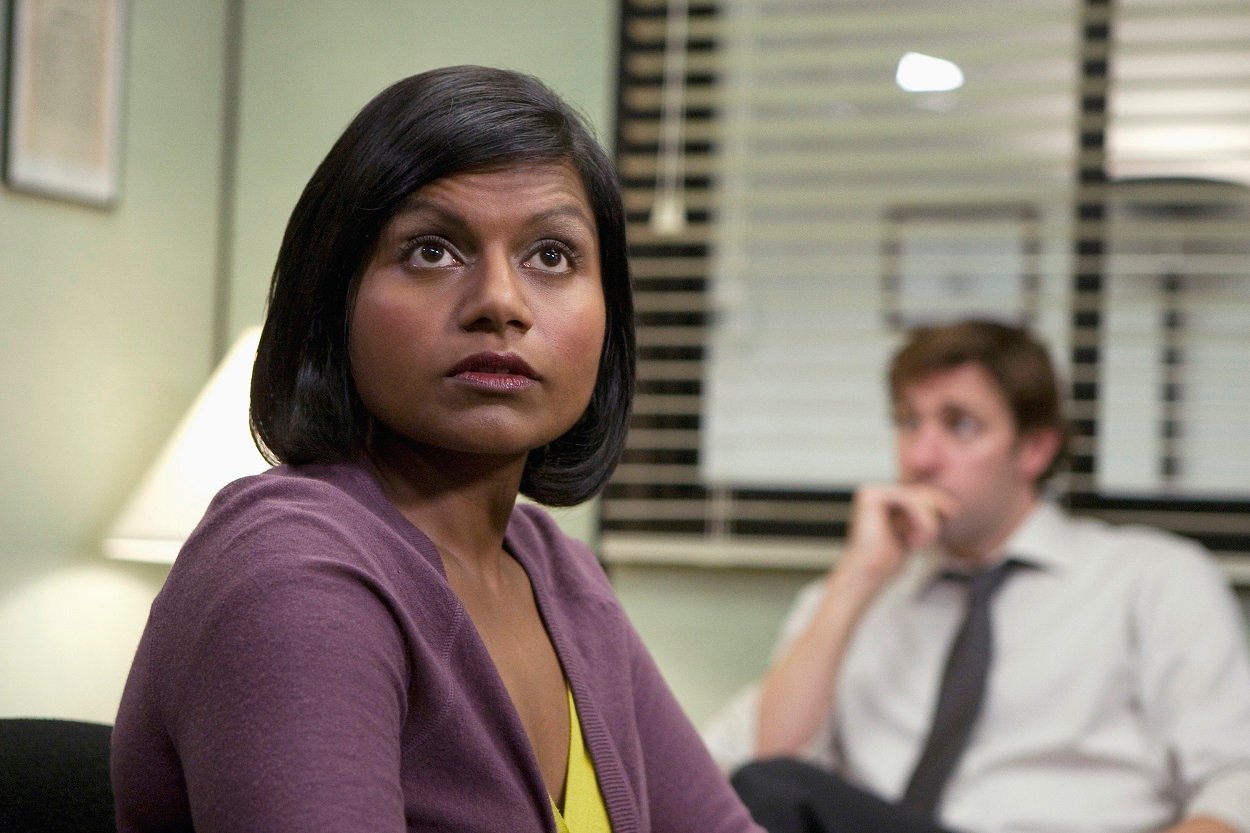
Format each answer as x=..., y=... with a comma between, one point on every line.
x=1201, y=824
x=887, y=523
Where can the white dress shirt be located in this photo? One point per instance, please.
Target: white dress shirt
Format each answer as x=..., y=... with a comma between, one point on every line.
x=1118, y=700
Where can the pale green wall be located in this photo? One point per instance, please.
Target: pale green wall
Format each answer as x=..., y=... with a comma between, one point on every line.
x=711, y=630
x=106, y=316
x=104, y=339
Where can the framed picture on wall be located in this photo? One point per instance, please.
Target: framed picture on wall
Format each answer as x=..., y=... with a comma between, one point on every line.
x=946, y=262
x=64, y=99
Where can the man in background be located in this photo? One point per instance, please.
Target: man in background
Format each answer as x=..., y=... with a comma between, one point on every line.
x=978, y=660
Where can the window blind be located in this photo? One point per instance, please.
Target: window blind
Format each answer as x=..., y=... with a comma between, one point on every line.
x=1161, y=337
x=792, y=209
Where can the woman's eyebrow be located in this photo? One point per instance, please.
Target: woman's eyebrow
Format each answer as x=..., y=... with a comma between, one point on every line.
x=424, y=208
x=437, y=211
x=561, y=214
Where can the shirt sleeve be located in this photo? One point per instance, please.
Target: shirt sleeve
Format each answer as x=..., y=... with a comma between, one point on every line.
x=1195, y=684
x=730, y=733
x=288, y=703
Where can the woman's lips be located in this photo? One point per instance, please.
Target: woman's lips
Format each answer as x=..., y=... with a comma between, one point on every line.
x=501, y=372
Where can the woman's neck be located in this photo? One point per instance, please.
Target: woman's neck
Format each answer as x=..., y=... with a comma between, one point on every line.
x=462, y=502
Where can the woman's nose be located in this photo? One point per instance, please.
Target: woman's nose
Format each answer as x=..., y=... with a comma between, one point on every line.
x=496, y=298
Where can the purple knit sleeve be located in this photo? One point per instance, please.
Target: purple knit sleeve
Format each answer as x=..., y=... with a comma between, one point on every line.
x=287, y=705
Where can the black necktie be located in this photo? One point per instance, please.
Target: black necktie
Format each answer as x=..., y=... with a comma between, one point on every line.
x=959, y=699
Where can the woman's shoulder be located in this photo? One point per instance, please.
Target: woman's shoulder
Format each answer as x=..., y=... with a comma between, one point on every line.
x=297, y=551
x=287, y=493
x=292, y=519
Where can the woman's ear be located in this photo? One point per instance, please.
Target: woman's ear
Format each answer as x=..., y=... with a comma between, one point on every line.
x=1035, y=451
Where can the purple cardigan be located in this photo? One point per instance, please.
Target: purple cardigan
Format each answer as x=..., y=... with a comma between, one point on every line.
x=307, y=667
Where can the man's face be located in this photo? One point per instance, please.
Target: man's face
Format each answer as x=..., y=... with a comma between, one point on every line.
x=956, y=433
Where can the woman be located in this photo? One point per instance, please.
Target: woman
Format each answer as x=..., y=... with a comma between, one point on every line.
x=371, y=636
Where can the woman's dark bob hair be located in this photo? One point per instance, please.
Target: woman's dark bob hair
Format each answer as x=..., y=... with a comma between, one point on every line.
x=305, y=408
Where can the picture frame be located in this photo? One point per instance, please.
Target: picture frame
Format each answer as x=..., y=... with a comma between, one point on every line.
x=65, y=81
x=943, y=262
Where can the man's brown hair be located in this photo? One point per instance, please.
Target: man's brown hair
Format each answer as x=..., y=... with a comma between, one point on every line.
x=1017, y=362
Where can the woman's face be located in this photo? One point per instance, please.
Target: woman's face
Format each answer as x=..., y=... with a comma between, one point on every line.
x=479, y=320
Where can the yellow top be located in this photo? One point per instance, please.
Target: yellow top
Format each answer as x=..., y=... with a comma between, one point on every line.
x=584, y=811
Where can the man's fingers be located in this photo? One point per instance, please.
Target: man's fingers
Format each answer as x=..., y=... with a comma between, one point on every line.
x=916, y=514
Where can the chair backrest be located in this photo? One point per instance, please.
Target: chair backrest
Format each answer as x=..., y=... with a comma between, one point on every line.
x=54, y=776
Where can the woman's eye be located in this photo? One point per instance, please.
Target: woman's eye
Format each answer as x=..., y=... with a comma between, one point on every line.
x=552, y=258
x=431, y=254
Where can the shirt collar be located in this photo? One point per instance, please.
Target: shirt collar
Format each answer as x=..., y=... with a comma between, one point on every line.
x=1042, y=538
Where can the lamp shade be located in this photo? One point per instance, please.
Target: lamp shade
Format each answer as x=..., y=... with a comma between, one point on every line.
x=210, y=447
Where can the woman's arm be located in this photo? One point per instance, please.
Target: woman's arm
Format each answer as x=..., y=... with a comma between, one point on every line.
x=283, y=691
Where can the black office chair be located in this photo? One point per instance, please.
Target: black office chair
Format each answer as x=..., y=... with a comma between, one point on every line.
x=54, y=777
